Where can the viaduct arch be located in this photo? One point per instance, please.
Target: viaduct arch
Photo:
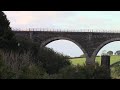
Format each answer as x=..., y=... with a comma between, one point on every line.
x=44, y=43
x=102, y=45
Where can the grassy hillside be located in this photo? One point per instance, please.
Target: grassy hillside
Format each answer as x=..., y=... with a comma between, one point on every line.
x=81, y=61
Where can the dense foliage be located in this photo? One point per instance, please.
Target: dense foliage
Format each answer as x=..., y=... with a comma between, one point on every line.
x=84, y=72
x=110, y=53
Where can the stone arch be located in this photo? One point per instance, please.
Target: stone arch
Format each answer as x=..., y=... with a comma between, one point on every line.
x=44, y=43
x=101, y=46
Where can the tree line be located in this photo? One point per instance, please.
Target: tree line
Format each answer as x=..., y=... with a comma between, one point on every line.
x=104, y=52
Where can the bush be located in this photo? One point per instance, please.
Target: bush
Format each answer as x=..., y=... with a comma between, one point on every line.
x=51, y=60
x=18, y=46
x=84, y=72
x=19, y=66
x=5, y=71
x=28, y=63
x=8, y=45
x=115, y=71
x=32, y=72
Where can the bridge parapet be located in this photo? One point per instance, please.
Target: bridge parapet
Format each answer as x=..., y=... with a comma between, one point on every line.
x=66, y=30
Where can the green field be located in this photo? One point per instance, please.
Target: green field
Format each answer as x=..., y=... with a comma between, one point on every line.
x=81, y=61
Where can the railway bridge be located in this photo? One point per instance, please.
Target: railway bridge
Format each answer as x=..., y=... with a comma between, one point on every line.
x=89, y=42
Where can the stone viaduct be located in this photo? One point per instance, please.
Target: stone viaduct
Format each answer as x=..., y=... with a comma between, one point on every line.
x=89, y=42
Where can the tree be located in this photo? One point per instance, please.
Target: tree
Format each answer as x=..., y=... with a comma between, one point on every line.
x=117, y=52
x=110, y=53
x=5, y=30
x=104, y=52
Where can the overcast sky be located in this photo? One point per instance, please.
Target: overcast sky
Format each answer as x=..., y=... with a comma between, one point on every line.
x=72, y=20
x=65, y=19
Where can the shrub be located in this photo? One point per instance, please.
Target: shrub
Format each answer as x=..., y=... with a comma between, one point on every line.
x=5, y=71
x=84, y=72
x=51, y=60
x=19, y=66
x=29, y=64
x=115, y=71
x=8, y=45
x=32, y=72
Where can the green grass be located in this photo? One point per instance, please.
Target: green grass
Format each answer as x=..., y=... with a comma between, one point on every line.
x=81, y=61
